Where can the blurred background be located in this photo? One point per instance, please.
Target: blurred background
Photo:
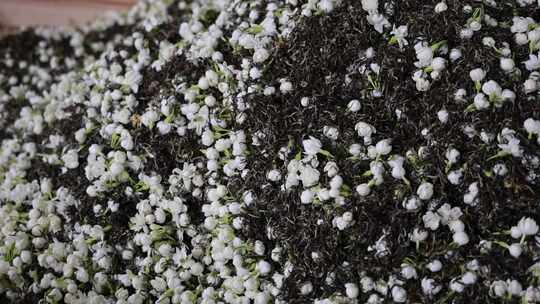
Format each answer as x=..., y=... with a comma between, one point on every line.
x=16, y=13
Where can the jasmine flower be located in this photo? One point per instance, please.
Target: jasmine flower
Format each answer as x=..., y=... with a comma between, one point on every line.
x=363, y=189
x=354, y=105
x=260, y=55
x=442, y=115
x=527, y=226
x=312, y=146
x=533, y=63
x=434, y=266
x=515, y=250
x=429, y=287
x=365, y=130
x=477, y=75
x=424, y=54
x=460, y=238
x=440, y=7
x=309, y=176
x=71, y=159
x=351, y=290
x=507, y=64
x=273, y=175
x=378, y=21
x=399, y=35
x=370, y=5
x=425, y=191
x=455, y=54
x=431, y=220
x=399, y=295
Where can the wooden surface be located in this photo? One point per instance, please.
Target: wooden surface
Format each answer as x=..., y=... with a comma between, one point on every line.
x=15, y=13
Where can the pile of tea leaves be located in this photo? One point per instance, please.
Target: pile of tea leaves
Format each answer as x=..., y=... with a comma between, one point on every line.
x=233, y=151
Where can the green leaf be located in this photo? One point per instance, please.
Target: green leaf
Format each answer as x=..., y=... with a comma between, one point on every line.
x=219, y=129
x=436, y=46
x=471, y=108
x=326, y=153
x=10, y=253
x=428, y=69
x=501, y=243
x=141, y=186
x=406, y=181
x=498, y=155
x=115, y=140
x=254, y=29
x=477, y=14
x=209, y=17
x=367, y=173
x=477, y=86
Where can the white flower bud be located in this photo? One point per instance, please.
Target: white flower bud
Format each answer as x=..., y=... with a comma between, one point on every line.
x=434, y=266
x=363, y=189
x=354, y=105
x=507, y=64
x=461, y=238
x=527, y=226
x=515, y=250
x=425, y=191
x=273, y=175
x=260, y=55
x=351, y=290
x=264, y=267
x=307, y=196
x=441, y=7
x=399, y=295
x=455, y=54
x=477, y=74
x=312, y=146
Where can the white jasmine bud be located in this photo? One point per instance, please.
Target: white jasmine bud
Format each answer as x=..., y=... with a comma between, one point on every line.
x=383, y=147
x=498, y=288
x=515, y=250
x=507, y=64
x=312, y=146
x=399, y=295
x=442, y=115
x=455, y=54
x=331, y=132
x=438, y=64
x=408, y=272
x=354, y=105
x=264, y=267
x=468, y=278
x=286, y=87
x=273, y=175
x=441, y=7
x=529, y=86
x=425, y=191
x=260, y=55
x=164, y=127
x=309, y=176
x=71, y=159
x=363, y=189
x=481, y=102
x=306, y=288
x=434, y=266
x=527, y=226
x=370, y=5
x=351, y=290
x=307, y=196
x=477, y=75
x=461, y=238
x=532, y=126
